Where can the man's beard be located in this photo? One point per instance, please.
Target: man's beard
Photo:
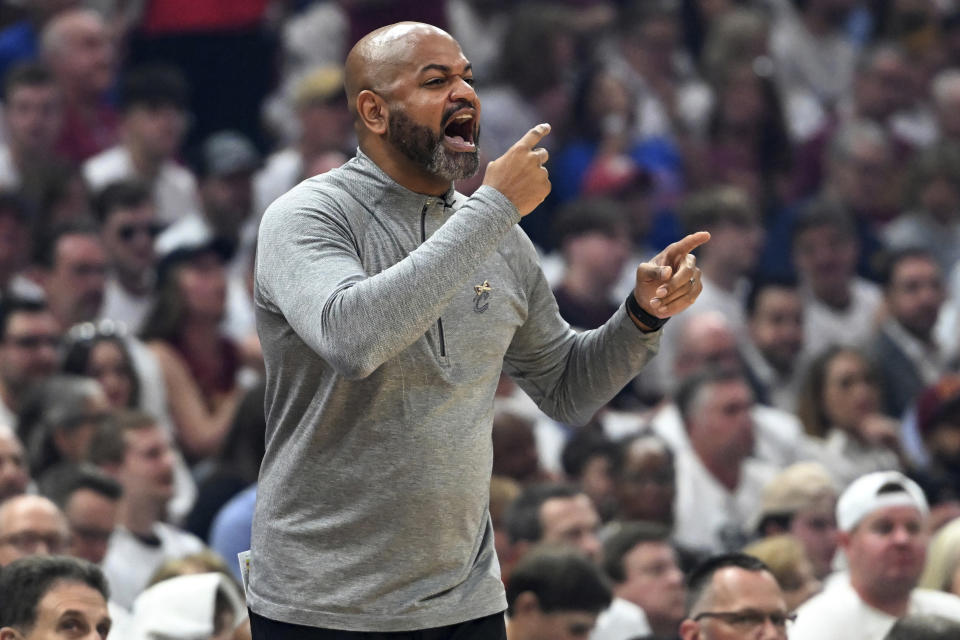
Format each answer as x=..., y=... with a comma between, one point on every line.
x=425, y=148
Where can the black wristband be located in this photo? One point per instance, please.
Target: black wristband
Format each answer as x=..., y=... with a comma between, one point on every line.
x=640, y=314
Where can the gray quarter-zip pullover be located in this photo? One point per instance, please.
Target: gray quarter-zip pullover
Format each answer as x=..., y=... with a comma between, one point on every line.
x=386, y=317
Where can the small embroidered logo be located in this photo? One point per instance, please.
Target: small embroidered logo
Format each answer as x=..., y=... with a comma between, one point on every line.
x=480, y=303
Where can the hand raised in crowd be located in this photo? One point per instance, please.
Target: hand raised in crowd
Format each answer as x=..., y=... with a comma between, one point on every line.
x=519, y=173
x=670, y=282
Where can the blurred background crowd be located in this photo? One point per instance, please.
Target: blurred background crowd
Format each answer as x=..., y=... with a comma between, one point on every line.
x=817, y=140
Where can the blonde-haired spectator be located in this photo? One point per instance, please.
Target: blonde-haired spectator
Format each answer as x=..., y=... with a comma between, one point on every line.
x=943, y=560
x=790, y=565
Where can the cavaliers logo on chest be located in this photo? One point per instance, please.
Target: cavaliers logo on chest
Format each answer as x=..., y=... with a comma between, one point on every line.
x=481, y=299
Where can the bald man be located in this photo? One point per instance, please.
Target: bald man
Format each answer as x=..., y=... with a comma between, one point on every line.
x=31, y=525
x=387, y=305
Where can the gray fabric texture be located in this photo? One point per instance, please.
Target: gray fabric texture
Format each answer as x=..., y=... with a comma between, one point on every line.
x=372, y=507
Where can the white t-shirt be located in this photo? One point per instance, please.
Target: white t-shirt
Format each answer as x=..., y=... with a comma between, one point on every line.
x=174, y=189
x=854, y=326
x=709, y=517
x=130, y=563
x=622, y=620
x=838, y=613
x=120, y=305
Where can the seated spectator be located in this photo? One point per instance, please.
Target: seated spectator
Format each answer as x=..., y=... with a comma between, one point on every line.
x=129, y=225
x=923, y=627
x=136, y=451
x=515, y=449
x=728, y=260
x=554, y=594
x=931, y=216
x=199, y=363
x=31, y=525
x=938, y=424
x=593, y=237
x=801, y=501
x=940, y=573
x=838, y=306
x=643, y=566
x=771, y=352
x=90, y=500
x=59, y=418
x=153, y=101
x=104, y=351
x=14, y=471
x=100, y=352
x=554, y=514
x=184, y=607
x=718, y=482
x=839, y=402
x=734, y=596
x=44, y=596
x=16, y=246
x=77, y=46
x=788, y=562
x=706, y=341
x=29, y=335
x=588, y=461
x=324, y=132
x=907, y=355
x=882, y=518
x=32, y=118
x=645, y=479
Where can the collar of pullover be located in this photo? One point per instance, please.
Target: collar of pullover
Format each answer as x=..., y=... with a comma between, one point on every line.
x=387, y=191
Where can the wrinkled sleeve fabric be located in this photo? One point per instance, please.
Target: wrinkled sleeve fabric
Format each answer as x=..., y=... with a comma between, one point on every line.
x=570, y=375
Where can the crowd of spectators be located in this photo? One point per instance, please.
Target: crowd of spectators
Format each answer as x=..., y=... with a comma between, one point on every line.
x=798, y=433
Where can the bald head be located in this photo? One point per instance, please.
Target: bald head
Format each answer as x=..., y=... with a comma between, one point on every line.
x=706, y=339
x=31, y=525
x=373, y=62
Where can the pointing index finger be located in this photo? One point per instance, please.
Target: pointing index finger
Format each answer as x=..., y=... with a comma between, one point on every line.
x=685, y=245
x=532, y=137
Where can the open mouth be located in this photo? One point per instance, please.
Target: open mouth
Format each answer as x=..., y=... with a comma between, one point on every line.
x=459, y=132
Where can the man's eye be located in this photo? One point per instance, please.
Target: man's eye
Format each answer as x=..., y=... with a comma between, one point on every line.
x=434, y=81
x=469, y=81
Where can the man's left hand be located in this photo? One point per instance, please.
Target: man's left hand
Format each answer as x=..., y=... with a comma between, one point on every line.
x=670, y=282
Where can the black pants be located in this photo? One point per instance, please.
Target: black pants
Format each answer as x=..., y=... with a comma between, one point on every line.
x=488, y=628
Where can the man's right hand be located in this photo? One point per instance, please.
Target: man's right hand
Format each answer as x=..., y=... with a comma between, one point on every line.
x=519, y=173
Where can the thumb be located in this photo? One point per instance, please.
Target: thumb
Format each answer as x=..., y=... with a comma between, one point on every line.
x=648, y=272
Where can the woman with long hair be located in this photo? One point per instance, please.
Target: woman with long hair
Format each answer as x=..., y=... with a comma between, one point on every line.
x=199, y=363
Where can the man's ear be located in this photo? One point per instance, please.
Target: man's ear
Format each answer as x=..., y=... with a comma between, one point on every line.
x=9, y=633
x=690, y=630
x=373, y=112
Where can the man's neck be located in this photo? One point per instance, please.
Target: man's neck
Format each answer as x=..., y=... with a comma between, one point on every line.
x=405, y=173
x=724, y=470
x=896, y=605
x=836, y=299
x=139, y=518
x=134, y=283
x=144, y=164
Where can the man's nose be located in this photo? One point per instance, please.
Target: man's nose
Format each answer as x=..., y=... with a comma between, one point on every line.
x=463, y=91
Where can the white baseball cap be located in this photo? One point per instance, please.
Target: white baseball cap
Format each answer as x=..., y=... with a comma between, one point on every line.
x=875, y=491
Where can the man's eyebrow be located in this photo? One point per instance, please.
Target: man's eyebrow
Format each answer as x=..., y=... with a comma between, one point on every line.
x=443, y=68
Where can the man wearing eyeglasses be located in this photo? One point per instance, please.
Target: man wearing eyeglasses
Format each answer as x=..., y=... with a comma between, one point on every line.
x=734, y=596
x=31, y=525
